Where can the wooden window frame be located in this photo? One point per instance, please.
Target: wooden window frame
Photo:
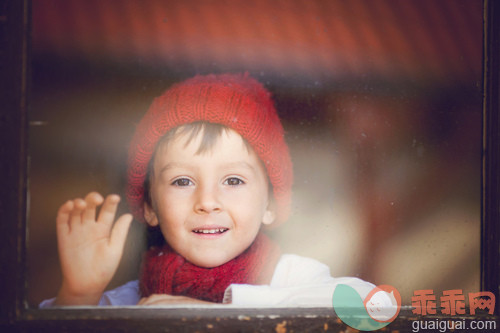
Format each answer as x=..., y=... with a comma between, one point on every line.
x=15, y=75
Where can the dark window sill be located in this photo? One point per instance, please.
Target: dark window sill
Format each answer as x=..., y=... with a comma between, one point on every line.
x=136, y=319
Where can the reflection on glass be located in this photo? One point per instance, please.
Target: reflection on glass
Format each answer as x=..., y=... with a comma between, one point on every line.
x=380, y=102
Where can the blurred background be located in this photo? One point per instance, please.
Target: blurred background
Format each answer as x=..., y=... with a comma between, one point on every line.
x=380, y=100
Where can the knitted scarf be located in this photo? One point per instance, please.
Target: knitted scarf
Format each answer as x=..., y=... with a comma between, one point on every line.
x=166, y=272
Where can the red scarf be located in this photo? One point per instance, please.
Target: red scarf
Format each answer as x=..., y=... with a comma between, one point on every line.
x=166, y=272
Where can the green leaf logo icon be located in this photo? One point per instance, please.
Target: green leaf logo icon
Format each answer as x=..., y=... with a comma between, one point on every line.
x=380, y=307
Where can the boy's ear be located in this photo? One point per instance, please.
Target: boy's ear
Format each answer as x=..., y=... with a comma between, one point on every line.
x=269, y=214
x=150, y=215
x=269, y=217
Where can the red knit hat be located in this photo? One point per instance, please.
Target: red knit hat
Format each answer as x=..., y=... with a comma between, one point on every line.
x=236, y=101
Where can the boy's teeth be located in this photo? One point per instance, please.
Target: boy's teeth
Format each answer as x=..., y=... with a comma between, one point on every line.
x=210, y=231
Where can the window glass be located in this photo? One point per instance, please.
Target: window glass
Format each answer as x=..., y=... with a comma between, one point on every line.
x=381, y=104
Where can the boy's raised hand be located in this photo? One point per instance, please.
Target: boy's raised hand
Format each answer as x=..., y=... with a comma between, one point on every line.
x=90, y=248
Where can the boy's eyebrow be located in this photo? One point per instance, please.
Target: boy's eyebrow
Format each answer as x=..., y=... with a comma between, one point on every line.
x=171, y=165
x=240, y=164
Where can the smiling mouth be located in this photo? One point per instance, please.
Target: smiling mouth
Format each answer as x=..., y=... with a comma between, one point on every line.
x=210, y=231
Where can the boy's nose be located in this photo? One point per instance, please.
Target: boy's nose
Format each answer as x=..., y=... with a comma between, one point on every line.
x=207, y=200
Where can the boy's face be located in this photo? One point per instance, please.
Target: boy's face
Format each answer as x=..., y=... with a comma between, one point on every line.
x=209, y=206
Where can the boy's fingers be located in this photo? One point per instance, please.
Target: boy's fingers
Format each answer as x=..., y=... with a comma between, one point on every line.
x=63, y=215
x=76, y=213
x=93, y=199
x=159, y=299
x=152, y=299
x=120, y=231
x=108, y=210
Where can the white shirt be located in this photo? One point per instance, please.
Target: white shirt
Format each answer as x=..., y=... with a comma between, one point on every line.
x=297, y=281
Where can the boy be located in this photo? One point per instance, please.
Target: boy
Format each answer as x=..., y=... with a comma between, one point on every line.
x=209, y=167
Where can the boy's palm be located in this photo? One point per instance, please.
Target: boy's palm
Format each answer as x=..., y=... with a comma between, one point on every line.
x=90, y=249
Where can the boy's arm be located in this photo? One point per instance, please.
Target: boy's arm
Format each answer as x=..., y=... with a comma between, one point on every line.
x=90, y=249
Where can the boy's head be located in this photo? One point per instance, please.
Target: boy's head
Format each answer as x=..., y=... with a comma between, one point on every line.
x=202, y=138
x=209, y=204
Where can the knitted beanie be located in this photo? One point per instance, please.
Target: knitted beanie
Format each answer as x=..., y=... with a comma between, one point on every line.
x=236, y=101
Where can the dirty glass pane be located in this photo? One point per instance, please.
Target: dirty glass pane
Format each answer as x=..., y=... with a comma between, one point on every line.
x=380, y=100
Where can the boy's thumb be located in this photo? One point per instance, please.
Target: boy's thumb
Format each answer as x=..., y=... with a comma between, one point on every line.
x=120, y=231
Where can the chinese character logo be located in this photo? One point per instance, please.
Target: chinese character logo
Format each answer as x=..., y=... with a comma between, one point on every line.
x=379, y=308
x=482, y=303
x=424, y=302
x=452, y=302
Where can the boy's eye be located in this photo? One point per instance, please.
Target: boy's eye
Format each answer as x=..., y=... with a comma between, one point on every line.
x=233, y=181
x=182, y=182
